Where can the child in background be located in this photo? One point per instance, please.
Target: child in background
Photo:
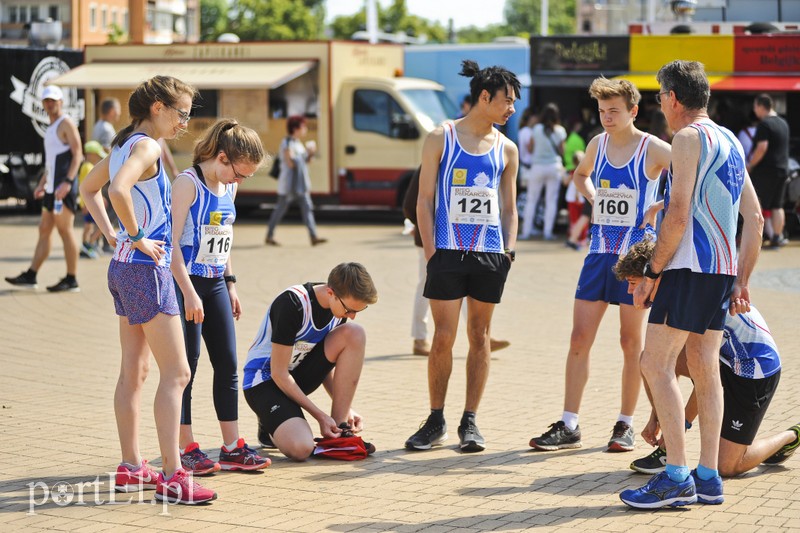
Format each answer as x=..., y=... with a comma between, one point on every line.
x=93, y=154
x=578, y=216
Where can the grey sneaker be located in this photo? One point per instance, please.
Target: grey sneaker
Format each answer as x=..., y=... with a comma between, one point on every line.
x=430, y=433
x=558, y=437
x=470, y=438
x=655, y=463
x=622, y=438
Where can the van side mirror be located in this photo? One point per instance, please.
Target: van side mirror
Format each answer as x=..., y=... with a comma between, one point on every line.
x=404, y=128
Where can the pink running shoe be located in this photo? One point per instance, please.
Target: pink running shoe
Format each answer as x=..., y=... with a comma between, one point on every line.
x=243, y=457
x=181, y=488
x=195, y=460
x=128, y=480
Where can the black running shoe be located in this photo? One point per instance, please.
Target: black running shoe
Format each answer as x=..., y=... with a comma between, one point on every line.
x=655, y=463
x=347, y=432
x=470, y=438
x=558, y=437
x=787, y=451
x=622, y=438
x=65, y=285
x=26, y=280
x=263, y=437
x=430, y=433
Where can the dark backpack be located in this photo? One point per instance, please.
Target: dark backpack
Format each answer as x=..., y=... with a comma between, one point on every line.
x=275, y=171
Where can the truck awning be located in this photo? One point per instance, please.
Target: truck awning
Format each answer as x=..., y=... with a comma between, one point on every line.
x=200, y=74
x=648, y=82
x=758, y=83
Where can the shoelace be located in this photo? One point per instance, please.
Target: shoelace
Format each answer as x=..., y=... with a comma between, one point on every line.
x=619, y=430
x=471, y=427
x=555, y=428
x=429, y=428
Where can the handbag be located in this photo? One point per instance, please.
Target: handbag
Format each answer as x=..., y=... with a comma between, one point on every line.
x=349, y=448
x=275, y=171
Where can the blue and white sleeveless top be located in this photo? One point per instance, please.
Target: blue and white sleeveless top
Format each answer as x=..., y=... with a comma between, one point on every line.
x=207, y=236
x=467, y=205
x=709, y=242
x=152, y=202
x=257, y=367
x=748, y=348
x=57, y=157
x=620, y=190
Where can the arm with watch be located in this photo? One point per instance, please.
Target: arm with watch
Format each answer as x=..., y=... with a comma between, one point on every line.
x=230, y=282
x=68, y=133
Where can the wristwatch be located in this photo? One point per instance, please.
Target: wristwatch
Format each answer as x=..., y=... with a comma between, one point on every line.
x=511, y=253
x=230, y=279
x=648, y=272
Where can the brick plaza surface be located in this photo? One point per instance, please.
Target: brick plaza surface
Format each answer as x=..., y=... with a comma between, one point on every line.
x=60, y=360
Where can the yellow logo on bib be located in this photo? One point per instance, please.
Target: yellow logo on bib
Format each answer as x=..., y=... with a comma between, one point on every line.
x=606, y=184
x=459, y=176
x=215, y=218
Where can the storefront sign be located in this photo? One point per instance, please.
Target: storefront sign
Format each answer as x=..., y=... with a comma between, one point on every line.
x=767, y=53
x=581, y=53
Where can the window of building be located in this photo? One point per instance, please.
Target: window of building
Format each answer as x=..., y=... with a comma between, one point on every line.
x=103, y=18
x=373, y=111
x=13, y=14
x=52, y=12
x=114, y=16
x=33, y=14
x=125, y=19
x=207, y=104
x=92, y=17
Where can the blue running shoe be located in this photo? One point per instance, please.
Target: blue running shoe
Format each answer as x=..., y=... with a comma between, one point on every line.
x=708, y=491
x=660, y=491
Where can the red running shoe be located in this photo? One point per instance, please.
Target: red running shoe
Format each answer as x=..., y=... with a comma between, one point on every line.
x=243, y=457
x=194, y=460
x=181, y=488
x=128, y=480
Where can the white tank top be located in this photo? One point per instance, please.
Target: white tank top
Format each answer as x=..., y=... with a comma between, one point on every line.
x=57, y=156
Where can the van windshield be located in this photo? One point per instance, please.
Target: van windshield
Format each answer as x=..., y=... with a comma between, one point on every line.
x=434, y=104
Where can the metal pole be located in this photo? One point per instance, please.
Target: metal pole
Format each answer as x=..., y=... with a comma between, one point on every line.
x=545, y=23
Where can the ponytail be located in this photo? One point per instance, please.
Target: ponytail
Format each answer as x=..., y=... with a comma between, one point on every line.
x=238, y=142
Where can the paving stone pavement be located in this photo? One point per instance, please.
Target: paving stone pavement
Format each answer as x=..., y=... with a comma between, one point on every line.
x=60, y=362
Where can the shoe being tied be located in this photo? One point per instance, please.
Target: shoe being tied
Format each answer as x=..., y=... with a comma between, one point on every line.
x=65, y=285
x=243, y=458
x=128, y=480
x=263, y=437
x=196, y=461
x=470, y=438
x=25, y=280
x=654, y=463
x=787, y=451
x=182, y=488
x=661, y=491
x=622, y=438
x=348, y=432
x=709, y=491
x=558, y=437
x=430, y=433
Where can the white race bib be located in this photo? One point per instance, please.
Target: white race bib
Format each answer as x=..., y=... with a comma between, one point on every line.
x=299, y=352
x=615, y=207
x=474, y=205
x=215, y=245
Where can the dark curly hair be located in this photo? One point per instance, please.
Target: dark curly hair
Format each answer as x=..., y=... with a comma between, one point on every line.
x=492, y=79
x=632, y=263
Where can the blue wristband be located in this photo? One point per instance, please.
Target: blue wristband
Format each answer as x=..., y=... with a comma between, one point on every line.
x=138, y=237
x=687, y=425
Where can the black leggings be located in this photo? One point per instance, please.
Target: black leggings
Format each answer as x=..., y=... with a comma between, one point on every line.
x=218, y=331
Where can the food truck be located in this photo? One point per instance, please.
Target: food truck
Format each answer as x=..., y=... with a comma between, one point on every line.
x=368, y=121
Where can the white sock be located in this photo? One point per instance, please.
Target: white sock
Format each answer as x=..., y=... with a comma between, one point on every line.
x=232, y=446
x=627, y=419
x=570, y=420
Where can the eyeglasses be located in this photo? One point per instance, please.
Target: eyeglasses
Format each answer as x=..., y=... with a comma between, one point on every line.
x=347, y=310
x=241, y=176
x=183, y=116
x=658, y=96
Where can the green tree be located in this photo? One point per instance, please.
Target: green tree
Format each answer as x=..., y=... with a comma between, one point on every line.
x=486, y=34
x=213, y=19
x=523, y=17
x=392, y=19
x=276, y=20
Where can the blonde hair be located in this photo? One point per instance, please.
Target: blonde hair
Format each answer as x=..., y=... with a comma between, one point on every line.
x=352, y=280
x=165, y=89
x=238, y=142
x=604, y=89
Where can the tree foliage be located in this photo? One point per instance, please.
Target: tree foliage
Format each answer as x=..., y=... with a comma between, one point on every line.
x=263, y=20
x=213, y=19
x=392, y=19
x=523, y=17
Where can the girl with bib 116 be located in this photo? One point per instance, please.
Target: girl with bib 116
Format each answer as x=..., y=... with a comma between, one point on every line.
x=140, y=282
x=203, y=213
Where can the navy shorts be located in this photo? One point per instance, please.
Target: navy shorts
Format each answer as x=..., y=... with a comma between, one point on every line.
x=272, y=406
x=597, y=282
x=141, y=291
x=746, y=403
x=454, y=274
x=70, y=201
x=692, y=301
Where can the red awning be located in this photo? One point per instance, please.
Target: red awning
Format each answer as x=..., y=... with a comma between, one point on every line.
x=758, y=83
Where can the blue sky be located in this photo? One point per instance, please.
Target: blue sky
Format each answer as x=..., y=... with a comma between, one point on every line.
x=464, y=12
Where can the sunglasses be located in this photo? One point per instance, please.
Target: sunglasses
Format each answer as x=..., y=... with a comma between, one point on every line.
x=241, y=176
x=183, y=116
x=347, y=310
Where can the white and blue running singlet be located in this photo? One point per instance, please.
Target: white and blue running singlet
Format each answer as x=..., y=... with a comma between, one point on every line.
x=207, y=236
x=152, y=201
x=748, y=348
x=709, y=242
x=467, y=212
x=623, y=196
x=257, y=367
